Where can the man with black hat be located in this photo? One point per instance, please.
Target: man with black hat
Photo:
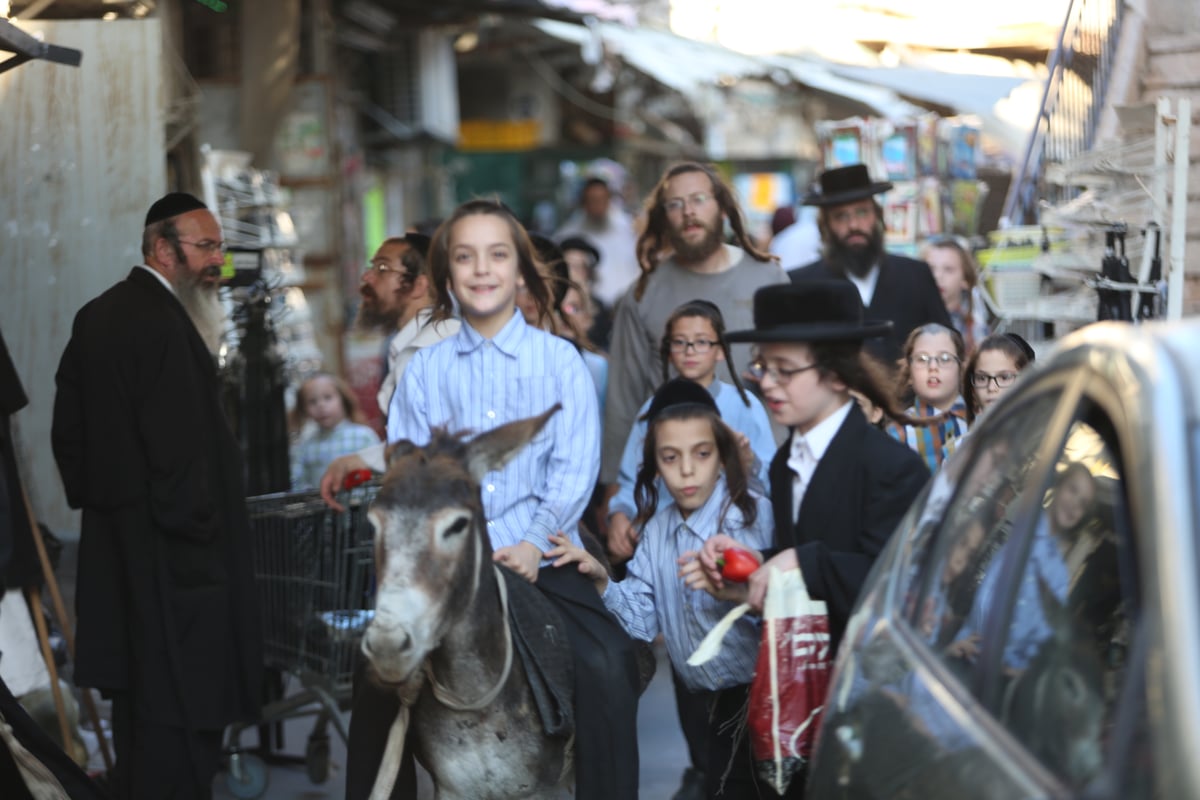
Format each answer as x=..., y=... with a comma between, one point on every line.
x=167, y=622
x=396, y=294
x=892, y=287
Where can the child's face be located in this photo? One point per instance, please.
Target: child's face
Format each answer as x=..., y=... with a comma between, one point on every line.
x=947, y=268
x=484, y=271
x=323, y=403
x=688, y=461
x=933, y=381
x=1072, y=500
x=804, y=399
x=695, y=350
x=962, y=550
x=996, y=366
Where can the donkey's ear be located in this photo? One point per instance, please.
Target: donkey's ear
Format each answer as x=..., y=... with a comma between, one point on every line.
x=395, y=452
x=492, y=450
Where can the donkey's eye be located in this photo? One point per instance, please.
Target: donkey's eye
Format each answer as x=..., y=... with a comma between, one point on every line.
x=459, y=525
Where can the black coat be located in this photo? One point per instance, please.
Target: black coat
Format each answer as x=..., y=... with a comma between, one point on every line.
x=861, y=488
x=906, y=294
x=165, y=589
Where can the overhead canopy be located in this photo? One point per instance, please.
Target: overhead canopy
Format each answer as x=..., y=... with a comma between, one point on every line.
x=691, y=67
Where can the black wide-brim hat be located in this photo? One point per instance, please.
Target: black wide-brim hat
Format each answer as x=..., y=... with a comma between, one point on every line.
x=810, y=311
x=845, y=185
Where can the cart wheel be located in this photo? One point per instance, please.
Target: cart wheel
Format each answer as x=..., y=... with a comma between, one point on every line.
x=247, y=776
x=316, y=757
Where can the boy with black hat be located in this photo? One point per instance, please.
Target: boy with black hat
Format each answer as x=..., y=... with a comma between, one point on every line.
x=839, y=485
x=901, y=290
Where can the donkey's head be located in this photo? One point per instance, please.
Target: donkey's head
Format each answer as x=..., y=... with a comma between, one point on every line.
x=431, y=541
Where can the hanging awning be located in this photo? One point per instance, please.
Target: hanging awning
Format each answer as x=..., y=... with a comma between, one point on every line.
x=691, y=67
x=26, y=48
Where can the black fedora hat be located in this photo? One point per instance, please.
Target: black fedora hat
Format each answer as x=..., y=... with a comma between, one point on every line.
x=810, y=311
x=845, y=185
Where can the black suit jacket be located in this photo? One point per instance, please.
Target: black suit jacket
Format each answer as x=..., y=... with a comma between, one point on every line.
x=906, y=294
x=165, y=592
x=861, y=488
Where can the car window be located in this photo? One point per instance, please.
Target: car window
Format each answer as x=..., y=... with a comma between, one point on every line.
x=960, y=538
x=1049, y=625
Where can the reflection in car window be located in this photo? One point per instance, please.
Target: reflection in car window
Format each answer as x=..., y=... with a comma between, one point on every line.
x=973, y=528
x=1063, y=623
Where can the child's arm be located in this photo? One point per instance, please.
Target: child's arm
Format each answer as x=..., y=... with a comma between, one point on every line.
x=564, y=552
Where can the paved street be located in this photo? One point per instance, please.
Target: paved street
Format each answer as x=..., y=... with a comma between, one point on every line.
x=663, y=753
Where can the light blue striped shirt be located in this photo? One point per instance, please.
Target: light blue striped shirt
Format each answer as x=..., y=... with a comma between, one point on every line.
x=653, y=598
x=750, y=420
x=468, y=382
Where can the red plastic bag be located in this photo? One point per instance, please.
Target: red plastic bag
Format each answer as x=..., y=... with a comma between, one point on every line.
x=790, y=681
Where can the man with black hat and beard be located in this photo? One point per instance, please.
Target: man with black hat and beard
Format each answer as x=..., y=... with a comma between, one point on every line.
x=901, y=290
x=167, y=623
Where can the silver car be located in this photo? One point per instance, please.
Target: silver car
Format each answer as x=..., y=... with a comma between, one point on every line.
x=1033, y=627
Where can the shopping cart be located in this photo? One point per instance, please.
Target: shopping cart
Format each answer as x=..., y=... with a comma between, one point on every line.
x=314, y=572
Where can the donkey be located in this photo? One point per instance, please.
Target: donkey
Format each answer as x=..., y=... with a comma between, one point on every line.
x=440, y=636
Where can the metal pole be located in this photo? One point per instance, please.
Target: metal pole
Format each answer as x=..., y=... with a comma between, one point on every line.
x=1179, y=201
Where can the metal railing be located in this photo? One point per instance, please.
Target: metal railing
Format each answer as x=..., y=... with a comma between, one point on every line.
x=1079, y=71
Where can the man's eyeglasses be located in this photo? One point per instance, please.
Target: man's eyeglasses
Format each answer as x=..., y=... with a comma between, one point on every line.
x=926, y=360
x=699, y=345
x=1003, y=380
x=780, y=375
x=206, y=246
x=381, y=268
x=677, y=204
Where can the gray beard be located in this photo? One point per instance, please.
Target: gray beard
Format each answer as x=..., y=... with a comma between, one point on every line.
x=204, y=307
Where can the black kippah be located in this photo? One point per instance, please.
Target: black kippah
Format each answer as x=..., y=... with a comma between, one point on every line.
x=680, y=392
x=172, y=205
x=419, y=242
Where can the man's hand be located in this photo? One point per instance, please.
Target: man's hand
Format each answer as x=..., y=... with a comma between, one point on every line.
x=522, y=558
x=564, y=552
x=335, y=476
x=622, y=538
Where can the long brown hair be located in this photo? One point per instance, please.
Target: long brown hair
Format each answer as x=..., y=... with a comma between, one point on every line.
x=653, y=241
x=530, y=267
x=853, y=366
x=705, y=310
x=645, y=490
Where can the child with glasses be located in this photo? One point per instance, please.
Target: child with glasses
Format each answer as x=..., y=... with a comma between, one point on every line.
x=693, y=344
x=992, y=370
x=930, y=369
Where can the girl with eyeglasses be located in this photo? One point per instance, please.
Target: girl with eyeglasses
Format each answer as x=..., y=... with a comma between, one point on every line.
x=933, y=355
x=693, y=344
x=992, y=370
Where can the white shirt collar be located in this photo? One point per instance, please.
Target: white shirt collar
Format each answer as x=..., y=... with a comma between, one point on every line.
x=866, y=284
x=819, y=438
x=161, y=278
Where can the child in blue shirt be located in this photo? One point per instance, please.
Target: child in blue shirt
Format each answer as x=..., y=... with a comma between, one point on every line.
x=693, y=343
x=328, y=402
x=690, y=451
x=498, y=369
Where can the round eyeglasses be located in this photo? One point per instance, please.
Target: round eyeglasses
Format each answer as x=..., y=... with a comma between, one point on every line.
x=926, y=360
x=207, y=246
